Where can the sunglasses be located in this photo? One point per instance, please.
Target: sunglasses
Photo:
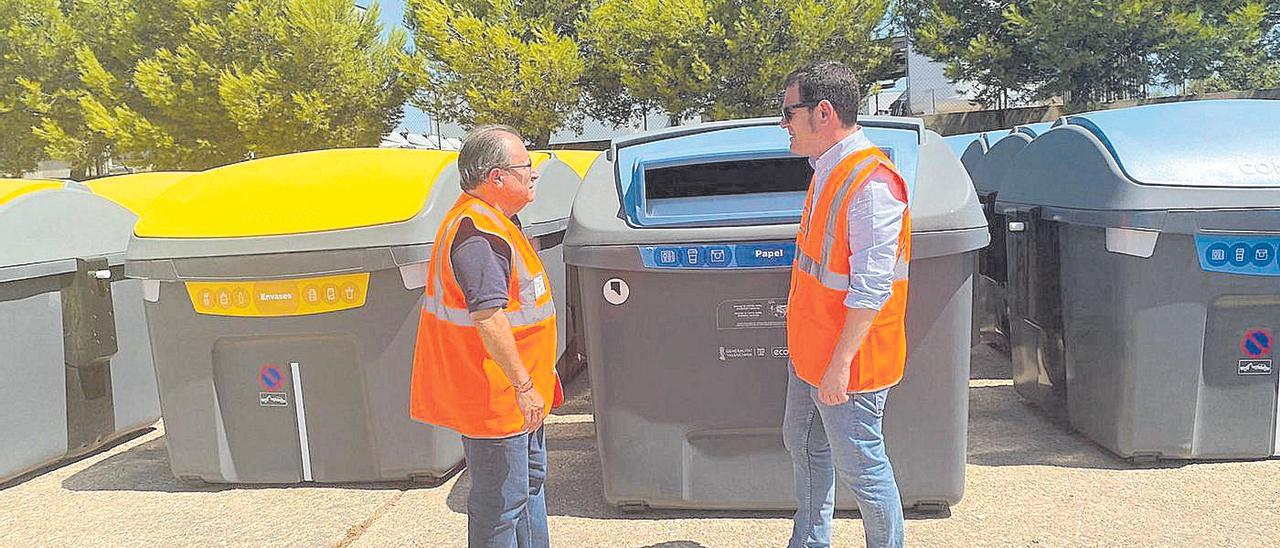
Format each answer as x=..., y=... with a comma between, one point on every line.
x=789, y=110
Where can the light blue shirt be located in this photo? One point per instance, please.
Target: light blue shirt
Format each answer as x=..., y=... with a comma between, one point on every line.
x=875, y=219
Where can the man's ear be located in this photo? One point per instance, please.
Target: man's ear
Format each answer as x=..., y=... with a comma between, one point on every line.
x=827, y=110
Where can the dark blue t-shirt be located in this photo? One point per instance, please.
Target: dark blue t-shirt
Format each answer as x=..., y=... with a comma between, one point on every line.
x=482, y=266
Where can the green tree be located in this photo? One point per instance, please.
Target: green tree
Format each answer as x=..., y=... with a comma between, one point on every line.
x=978, y=45
x=113, y=36
x=764, y=40
x=1087, y=51
x=651, y=54
x=266, y=77
x=1250, y=57
x=481, y=62
x=36, y=47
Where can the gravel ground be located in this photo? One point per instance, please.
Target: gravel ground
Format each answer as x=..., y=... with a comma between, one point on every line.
x=1031, y=481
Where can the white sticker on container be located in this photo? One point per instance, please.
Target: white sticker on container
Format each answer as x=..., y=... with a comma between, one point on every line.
x=616, y=291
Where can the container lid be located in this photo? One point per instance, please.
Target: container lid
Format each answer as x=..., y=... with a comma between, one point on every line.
x=734, y=173
x=1192, y=155
x=428, y=180
x=998, y=159
x=974, y=160
x=136, y=191
x=579, y=160
x=1034, y=130
x=13, y=188
x=1219, y=144
x=961, y=143
x=60, y=225
x=609, y=210
x=300, y=193
x=388, y=200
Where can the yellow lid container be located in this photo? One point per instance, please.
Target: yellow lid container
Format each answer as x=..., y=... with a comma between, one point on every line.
x=299, y=193
x=579, y=160
x=136, y=191
x=13, y=188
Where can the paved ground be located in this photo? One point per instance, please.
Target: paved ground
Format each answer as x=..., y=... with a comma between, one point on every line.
x=1031, y=482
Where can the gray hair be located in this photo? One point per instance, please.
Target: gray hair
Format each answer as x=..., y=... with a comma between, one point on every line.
x=483, y=149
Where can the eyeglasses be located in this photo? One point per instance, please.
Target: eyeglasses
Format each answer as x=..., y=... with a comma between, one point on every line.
x=515, y=167
x=521, y=166
x=789, y=110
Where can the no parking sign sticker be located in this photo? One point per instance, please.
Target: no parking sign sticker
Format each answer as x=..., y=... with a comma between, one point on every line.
x=271, y=379
x=1256, y=344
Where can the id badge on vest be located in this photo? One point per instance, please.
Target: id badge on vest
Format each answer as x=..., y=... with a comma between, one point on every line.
x=539, y=286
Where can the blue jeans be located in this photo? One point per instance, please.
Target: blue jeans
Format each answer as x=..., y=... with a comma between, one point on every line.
x=814, y=433
x=507, y=507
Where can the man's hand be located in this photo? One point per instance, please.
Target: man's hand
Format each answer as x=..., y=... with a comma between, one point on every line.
x=531, y=407
x=500, y=342
x=835, y=384
x=834, y=388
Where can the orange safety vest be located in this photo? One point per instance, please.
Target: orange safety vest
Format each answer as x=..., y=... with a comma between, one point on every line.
x=456, y=384
x=820, y=282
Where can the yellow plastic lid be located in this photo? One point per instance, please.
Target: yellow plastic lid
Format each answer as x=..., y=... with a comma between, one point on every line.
x=12, y=188
x=136, y=191
x=579, y=160
x=297, y=193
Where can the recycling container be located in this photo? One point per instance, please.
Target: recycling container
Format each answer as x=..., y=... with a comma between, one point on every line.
x=1159, y=226
x=71, y=382
x=681, y=241
x=282, y=298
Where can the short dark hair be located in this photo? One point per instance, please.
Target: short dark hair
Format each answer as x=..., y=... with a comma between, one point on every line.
x=829, y=81
x=483, y=149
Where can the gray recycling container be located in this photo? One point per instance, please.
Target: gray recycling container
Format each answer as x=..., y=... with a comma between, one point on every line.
x=283, y=298
x=76, y=370
x=681, y=242
x=1167, y=221
x=988, y=174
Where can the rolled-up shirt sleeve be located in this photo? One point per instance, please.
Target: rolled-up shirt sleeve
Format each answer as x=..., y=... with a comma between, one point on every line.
x=875, y=219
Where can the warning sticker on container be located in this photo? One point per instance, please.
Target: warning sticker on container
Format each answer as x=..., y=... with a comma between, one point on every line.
x=273, y=399
x=752, y=314
x=1254, y=367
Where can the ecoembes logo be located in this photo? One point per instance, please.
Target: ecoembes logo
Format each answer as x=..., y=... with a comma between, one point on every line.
x=1262, y=168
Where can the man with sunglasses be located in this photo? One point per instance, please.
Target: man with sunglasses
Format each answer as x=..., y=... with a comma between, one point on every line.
x=846, y=307
x=485, y=359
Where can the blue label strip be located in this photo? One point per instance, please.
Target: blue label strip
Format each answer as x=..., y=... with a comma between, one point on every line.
x=1248, y=255
x=744, y=255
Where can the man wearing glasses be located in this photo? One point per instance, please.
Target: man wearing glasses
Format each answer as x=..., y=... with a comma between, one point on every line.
x=485, y=359
x=846, y=306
